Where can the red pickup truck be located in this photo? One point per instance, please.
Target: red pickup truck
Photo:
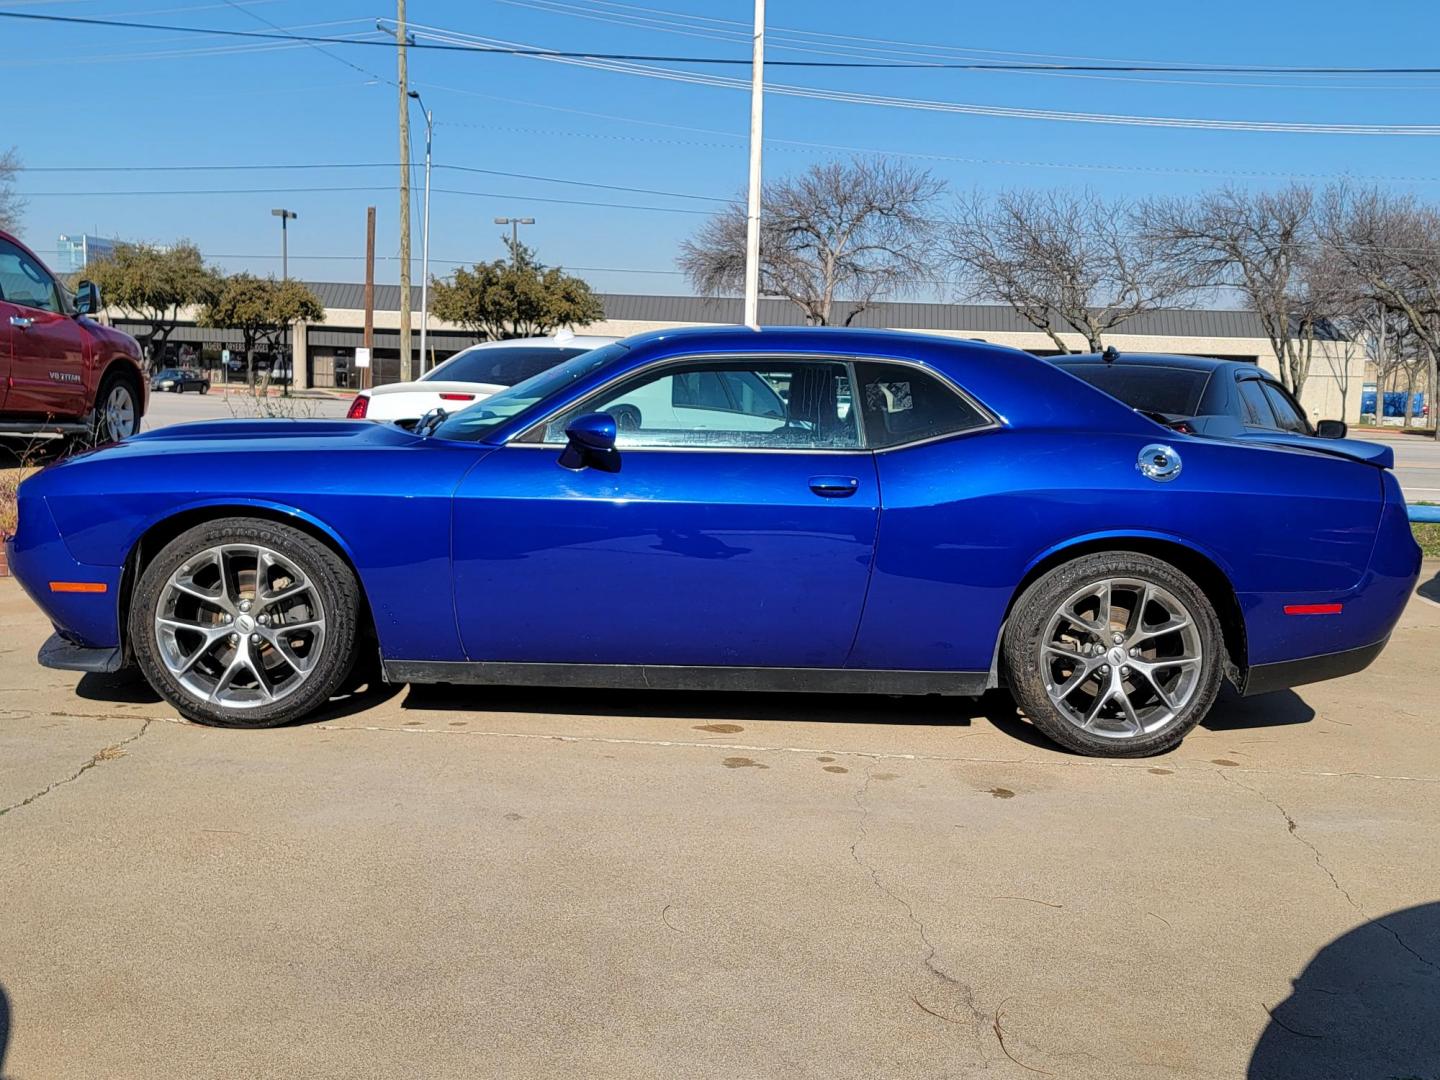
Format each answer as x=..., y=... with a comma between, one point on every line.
x=59, y=371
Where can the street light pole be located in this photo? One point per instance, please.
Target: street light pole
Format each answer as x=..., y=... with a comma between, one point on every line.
x=285, y=217
x=425, y=239
x=752, y=218
x=514, y=223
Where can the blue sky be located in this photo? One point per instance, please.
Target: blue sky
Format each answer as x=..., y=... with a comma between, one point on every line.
x=114, y=97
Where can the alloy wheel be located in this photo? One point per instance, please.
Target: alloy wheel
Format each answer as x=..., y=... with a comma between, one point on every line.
x=1121, y=658
x=119, y=412
x=240, y=626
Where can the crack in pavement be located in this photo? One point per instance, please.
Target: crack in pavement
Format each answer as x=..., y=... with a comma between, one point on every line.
x=1293, y=828
x=978, y=1017
x=108, y=753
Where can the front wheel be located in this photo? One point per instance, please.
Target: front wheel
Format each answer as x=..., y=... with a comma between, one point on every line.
x=1115, y=655
x=117, y=410
x=243, y=622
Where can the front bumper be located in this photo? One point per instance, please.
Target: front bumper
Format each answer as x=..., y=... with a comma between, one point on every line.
x=1265, y=678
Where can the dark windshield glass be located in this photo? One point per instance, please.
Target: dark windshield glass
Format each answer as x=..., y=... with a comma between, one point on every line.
x=479, y=420
x=1169, y=390
x=501, y=366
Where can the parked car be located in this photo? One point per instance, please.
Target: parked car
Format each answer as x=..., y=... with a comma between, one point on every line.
x=469, y=376
x=179, y=380
x=59, y=370
x=1199, y=395
x=975, y=517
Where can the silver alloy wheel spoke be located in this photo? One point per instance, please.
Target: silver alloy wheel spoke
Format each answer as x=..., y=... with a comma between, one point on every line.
x=240, y=626
x=1108, y=671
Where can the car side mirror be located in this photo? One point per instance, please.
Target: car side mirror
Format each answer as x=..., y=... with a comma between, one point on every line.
x=1332, y=429
x=87, y=298
x=591, y=443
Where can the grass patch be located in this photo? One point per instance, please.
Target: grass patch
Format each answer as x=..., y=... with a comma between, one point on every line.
x=1428, y=537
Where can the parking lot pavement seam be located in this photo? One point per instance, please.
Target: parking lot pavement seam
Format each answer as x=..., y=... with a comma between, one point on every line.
x=1293, y=828
x=107, y=753
x=967, y=992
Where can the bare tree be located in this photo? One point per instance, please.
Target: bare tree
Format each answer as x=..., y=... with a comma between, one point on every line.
x=10, y=203
x=843, y=233
x=1392, y=245
x=1253, y=242
x=1055, y=256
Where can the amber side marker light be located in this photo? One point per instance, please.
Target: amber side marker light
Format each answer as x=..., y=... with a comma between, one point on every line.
x=1314, y=609
x=79, y=586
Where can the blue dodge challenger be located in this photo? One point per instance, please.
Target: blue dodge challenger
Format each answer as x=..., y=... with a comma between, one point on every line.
x=814, y=510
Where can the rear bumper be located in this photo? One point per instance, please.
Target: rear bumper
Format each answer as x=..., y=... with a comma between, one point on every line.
x=65, y=655
x=1264, y=678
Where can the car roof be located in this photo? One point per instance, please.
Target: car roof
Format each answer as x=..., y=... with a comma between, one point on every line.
x=1170, y=360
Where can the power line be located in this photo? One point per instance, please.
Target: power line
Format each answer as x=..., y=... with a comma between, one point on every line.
x=511, y=50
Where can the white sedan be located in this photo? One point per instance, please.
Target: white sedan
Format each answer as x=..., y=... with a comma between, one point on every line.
x=469, y=376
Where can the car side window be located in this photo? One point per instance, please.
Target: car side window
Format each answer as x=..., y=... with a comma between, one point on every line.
x=756, y=404
x=1287, y=413
x=1255, y=409
x=24, y=281
x=903, y=404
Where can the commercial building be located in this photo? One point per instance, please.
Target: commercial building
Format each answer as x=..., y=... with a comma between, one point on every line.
x=324, y=353
x=74, y=250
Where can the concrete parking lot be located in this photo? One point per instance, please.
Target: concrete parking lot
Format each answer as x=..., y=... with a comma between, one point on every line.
x=529, y=883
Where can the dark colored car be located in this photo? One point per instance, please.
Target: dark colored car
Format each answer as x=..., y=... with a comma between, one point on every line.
x=178, y=380
x=1198, y=395
x=913, y=515
x=59, y=371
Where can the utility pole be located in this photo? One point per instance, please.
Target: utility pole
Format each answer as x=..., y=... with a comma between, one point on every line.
x=514, y=223
x=369, y=294
x=752, y=221
x=406, y=372
x=425, y=238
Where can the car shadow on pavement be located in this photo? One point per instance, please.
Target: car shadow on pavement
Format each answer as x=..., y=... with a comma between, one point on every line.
x=1431, y=590
x=707, y=705
x=1367, y=1005
x=362, y=690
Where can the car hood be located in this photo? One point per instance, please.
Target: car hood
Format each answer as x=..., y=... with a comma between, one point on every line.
x=438, y=386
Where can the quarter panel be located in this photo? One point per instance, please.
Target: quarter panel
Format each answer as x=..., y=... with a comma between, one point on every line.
x=963, y=520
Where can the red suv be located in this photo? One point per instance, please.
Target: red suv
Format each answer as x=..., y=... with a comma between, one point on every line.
x=59, y=371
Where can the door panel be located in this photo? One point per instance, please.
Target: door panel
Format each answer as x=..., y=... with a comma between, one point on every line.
x=713, y=557
x=47, y=364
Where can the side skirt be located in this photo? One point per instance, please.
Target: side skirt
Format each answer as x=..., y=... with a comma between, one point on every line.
x=652, y=677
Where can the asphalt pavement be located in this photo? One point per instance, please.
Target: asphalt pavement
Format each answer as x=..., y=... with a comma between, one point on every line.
x=441, y=883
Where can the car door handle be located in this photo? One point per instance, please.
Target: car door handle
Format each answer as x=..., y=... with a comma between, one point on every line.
x=21, y=321
x=834, y=487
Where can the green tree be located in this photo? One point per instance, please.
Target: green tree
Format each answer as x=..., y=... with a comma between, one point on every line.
x=261, y=309
x=152, y=285
x=515, y=297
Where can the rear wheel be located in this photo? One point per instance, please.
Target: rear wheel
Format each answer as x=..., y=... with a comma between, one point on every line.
x=245, y=623
x=1115, y=655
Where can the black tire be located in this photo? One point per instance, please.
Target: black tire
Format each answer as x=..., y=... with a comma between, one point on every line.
x=338, y=592
x=99, y=428
x=1029, y=675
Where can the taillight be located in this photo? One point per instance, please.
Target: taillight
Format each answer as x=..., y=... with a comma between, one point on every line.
x=457, y=397
x=359, y=407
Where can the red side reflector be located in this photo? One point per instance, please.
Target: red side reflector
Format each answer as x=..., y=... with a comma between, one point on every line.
x=1313, y=609
x=79, y=586
x=457, y=397
x=359, y=407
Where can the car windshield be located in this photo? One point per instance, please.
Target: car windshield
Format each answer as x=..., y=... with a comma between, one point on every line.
x=1174, y=391
x=479, y=420
x=502, y=366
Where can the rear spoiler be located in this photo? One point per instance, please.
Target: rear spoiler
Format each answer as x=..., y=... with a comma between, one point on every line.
x=1367, y=453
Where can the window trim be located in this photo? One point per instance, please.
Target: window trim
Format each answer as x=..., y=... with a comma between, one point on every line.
x=993, y=423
